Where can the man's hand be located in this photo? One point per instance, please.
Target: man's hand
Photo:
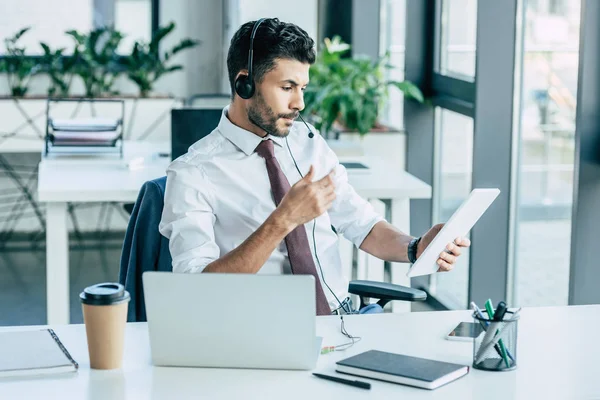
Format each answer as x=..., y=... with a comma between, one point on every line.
x=448, y=257
x=306, y=200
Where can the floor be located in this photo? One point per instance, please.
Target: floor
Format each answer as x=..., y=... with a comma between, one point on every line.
x=23, y=282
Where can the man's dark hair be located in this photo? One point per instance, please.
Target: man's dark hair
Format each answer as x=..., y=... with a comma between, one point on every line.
x=273, y=40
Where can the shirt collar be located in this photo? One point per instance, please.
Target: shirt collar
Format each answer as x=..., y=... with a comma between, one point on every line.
x=241, y=138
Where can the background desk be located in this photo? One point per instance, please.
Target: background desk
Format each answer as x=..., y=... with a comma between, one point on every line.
x=557, y=359
x=86, y=180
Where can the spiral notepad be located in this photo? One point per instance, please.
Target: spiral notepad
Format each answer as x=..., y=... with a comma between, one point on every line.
x=35, y=352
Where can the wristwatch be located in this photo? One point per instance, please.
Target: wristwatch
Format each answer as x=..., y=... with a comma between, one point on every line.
x=412, y=250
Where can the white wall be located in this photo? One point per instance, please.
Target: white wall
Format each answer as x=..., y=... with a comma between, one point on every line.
x=203, y=65
x=304, y=14
x=301, y=13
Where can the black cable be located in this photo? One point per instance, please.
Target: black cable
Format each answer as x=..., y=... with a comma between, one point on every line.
x=343, y=329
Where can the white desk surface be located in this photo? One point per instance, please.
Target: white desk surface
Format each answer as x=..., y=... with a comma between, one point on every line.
x=96, y=180
x=557, y=359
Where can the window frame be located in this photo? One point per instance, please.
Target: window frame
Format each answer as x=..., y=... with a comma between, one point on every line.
x=154, y=25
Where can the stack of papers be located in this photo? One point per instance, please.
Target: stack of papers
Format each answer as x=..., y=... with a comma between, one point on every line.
x=85, y=131
x=85, y=124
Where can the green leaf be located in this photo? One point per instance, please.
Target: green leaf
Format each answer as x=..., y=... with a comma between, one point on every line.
x=174, y=68
x=46, y=48
x=21, y=33
x=160, y=35
x=409, y=90
x=184, y=44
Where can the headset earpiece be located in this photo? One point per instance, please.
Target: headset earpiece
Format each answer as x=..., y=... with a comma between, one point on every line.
x=244, y=87
x=244, y=84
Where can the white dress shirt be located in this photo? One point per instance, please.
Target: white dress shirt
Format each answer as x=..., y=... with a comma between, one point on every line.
x=218, y=194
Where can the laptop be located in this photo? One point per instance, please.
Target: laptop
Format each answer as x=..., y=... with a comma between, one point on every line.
x=231, y=320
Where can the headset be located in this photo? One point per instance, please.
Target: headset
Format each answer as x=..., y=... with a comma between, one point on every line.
x=244, y=84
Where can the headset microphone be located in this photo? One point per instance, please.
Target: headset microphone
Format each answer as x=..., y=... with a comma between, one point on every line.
x=310, y=132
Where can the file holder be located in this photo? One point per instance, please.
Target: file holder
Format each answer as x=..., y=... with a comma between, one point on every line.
x=495, y=349
x=89, y=136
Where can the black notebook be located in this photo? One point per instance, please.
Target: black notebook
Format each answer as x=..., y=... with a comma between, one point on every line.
x=406, y=370
x=36, y=352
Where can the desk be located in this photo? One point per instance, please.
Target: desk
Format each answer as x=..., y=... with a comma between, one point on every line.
x=568, y=372
x=62, y=181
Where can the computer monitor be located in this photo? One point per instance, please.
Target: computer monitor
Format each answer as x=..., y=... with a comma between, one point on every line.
x=192, y=123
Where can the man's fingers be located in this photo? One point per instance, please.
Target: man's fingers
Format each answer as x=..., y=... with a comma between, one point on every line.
x=444, y=266
x=462, y=242
x=449, y=258
x=330, y=197
x=327, y=180
x=453, y=249
x=309, y=175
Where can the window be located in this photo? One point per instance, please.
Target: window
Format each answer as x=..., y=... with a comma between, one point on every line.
x=138, y=28
x=456, y=55
x=546, y=153
x=453, y=157
x=49, y=20
x=393, y=17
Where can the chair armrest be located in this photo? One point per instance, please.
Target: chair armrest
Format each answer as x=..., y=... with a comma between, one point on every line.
x=385, y=291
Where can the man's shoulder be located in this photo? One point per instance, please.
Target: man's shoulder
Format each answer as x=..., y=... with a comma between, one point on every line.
x=203, y=150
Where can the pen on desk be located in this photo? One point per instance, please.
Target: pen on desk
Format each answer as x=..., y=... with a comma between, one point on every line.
x=358, y=384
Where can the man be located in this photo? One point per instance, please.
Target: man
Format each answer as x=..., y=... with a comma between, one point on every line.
x=239, y=200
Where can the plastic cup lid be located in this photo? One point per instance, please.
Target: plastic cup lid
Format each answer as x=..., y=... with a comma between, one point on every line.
x=104, y=294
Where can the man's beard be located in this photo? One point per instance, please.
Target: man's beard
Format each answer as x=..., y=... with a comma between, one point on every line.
x=261, y=115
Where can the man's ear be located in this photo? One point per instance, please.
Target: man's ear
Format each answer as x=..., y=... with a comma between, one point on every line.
x=243, y=72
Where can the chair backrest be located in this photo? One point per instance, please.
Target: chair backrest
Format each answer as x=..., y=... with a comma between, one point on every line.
x=144, y=248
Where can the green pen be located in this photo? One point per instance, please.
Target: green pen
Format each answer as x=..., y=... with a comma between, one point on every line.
x=490, y=310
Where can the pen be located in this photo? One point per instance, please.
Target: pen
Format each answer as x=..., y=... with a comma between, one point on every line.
x=485, y=347
x=499, y=316
x=501, y=310
x=358, y=384
x=484, y=325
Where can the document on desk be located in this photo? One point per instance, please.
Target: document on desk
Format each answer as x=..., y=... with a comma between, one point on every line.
x=459, y=224
x=33, y=352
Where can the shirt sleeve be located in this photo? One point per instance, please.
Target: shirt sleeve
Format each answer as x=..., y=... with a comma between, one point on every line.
x=188, y=218
x=350, y=214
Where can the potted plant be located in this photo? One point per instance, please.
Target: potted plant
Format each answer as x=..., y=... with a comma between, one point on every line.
x=18, y=67
x=59, y=68
x=96, y=59
x=349, y=92
x=146, y=65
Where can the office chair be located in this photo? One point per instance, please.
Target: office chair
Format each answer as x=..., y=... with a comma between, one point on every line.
x=145, y=249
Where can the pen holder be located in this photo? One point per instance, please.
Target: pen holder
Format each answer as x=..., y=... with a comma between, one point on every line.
x=495, y=349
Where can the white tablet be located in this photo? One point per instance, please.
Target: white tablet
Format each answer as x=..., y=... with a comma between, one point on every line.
x=458, y=225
